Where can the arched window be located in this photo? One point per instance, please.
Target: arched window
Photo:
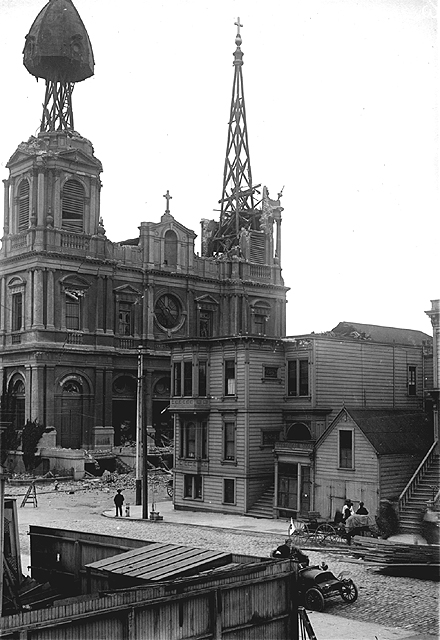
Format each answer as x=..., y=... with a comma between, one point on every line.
x=298, y=431
x=170, y=254
x=73, y=206
x=23, y=205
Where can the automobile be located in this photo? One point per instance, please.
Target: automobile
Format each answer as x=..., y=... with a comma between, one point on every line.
x=316, y=585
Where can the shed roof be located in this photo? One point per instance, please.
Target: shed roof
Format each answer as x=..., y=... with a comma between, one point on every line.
x=394, y=431
x=158, y=562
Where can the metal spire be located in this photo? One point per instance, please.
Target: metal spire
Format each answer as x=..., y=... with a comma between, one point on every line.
x=237, y=201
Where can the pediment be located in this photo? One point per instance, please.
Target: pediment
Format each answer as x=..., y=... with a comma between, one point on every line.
x=169, y=223
x=17, y=157
x=80, y=157
x=206, y=300
x=127, y=290
x=74, y=282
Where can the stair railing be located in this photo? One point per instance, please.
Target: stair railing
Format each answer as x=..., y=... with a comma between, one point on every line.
x=416, y=477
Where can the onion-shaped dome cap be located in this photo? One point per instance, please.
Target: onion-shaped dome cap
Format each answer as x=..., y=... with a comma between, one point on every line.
x=57, y=46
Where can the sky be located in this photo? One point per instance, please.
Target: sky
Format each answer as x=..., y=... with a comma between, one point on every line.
x=342, y=111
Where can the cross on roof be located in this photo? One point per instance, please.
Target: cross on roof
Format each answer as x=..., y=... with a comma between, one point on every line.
x=168, y=198
x=238, y=25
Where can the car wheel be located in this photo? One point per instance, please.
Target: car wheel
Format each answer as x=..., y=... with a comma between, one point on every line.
x=314, y=600
x=349, y=592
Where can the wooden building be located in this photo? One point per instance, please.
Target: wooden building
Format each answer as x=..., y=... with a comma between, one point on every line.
x=367, y=455
x=247, y=434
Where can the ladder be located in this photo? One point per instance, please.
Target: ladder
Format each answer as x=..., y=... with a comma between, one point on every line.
x=306, y=629
x=31, y=495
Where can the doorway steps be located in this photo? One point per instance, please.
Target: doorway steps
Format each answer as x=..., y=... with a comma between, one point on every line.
x=263, y=507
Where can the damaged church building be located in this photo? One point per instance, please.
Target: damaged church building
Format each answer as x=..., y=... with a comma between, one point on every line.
x=245, y=407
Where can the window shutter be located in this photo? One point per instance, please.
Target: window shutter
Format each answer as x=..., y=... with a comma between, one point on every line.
x=73, y=206
x=23, y=205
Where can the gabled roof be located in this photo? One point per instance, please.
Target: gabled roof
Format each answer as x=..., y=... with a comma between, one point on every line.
x=376, y=333
x=392, y=431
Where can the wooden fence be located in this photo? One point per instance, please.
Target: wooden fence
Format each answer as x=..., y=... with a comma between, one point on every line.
x=247, y=602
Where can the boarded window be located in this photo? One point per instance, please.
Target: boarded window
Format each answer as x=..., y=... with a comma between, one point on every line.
x=23, y=205
x=73, y=206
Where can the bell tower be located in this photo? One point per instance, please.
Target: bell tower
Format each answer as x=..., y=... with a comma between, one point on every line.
x=54, y=178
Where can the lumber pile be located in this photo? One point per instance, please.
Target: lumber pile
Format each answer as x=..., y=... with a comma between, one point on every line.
x=386, y=552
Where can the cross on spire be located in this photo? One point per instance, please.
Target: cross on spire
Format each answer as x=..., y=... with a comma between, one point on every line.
x=238, y=25
x=168, y=198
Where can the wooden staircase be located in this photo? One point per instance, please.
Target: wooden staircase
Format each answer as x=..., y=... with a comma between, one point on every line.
x=263, y=507
x=425, y=490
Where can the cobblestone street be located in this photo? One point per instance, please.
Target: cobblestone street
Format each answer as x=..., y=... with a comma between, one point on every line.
x=406, y=603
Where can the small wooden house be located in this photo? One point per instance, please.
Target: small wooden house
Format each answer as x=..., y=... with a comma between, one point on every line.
x=367, y=455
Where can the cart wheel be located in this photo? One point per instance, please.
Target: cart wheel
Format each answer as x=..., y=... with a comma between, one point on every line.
x=323, y=532
x=314, y=600
x=349, y=591
x=301, y=531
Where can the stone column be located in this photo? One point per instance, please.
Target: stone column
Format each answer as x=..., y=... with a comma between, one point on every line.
x=38, y=298
x=40, y=196
x=100, y=294
x=38, y=392
x=6, y=207
x=109, y=305
x=28, y=319
x=50, y=321
x=57, y=199
x=3, y=304
x=28, y=406
x=50, y=398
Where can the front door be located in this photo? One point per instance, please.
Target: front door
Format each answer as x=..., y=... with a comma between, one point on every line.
x=294, y=487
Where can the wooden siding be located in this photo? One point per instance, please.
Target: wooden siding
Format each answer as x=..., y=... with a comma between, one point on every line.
x=333, y=485
x=395, y=471
x=249, y=602
x=364, y=375
x=75, y=549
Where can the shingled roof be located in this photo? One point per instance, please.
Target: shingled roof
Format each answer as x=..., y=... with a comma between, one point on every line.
x=394, y=431
x=376, y=333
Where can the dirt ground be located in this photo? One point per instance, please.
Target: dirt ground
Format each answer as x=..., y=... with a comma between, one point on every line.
x=69, y=502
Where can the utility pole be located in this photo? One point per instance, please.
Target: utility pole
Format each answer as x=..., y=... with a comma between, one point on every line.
x=139, y=426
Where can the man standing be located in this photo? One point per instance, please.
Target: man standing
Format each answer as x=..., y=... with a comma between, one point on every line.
x=119, y=501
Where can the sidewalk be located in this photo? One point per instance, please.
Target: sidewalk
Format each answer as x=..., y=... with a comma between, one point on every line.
x=325, y=626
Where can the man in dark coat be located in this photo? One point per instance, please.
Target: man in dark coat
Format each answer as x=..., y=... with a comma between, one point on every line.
x=119, y=501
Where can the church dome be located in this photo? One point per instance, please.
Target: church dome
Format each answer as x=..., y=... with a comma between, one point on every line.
x=57, y=46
